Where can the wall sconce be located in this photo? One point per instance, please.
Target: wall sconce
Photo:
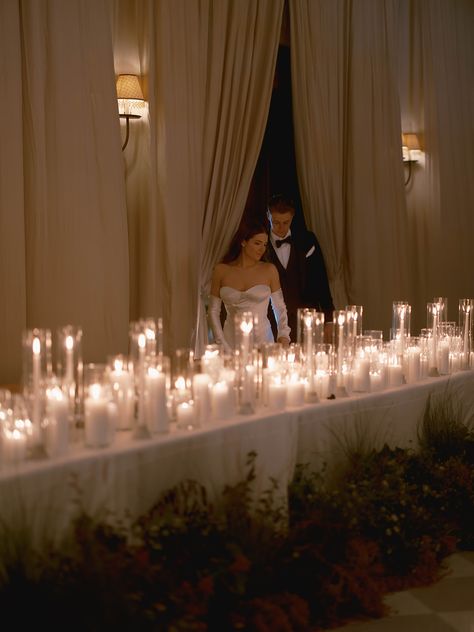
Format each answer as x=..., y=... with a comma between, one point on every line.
x=410, y=152
x=130, y=100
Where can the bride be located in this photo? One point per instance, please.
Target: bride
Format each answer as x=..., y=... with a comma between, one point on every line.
x=246, y=283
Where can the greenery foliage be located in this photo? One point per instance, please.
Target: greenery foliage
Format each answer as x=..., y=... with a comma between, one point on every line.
x=247, y=563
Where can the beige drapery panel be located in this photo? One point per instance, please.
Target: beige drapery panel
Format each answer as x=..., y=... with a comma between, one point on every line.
x=239, y=88
x=347, y=136
x=437, y=100
x=319, y=62
x=209, y=67
x=62, y=179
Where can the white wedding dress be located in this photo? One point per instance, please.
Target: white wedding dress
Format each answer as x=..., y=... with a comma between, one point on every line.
x=254, y=300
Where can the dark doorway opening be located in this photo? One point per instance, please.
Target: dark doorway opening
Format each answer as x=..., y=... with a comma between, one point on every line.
x=276, y=171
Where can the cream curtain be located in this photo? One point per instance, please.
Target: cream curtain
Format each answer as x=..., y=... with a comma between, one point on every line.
x=239, y=88
x=209, y=69
x=319, y=66
x=347, y=135
x=12, y=221
x=437, y=101
x=64, y=246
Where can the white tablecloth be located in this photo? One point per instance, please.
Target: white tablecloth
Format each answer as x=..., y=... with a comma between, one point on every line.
x=123, y=481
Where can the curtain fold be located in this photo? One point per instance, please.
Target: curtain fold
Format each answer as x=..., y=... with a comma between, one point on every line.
x=12, y=225
x=70, y=193
x=437, y=101
x=347, y=129
x=319, y=67
x=238, y=94
x=211, y=72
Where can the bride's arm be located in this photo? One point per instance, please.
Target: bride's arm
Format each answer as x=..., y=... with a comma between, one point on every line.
x=279, y=307
x=214, y=310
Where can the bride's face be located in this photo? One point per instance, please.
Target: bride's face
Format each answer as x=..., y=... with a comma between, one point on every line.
x=256, y=246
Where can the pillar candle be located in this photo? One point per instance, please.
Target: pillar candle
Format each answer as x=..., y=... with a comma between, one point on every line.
x=14, y=444
x=185, y=415
x=413, y=364
x=277, y=393
x=220, y=404
x=295, y=393
x=395, y=375
x=57, y=426
x=156, y=410
x=121, y=381
x=202, y=396
x=97, y=432
x=361, y=378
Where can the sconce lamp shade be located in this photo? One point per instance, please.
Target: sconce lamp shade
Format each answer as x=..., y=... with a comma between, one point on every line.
x=128, y=87
x=130, y=99
x=411, y=141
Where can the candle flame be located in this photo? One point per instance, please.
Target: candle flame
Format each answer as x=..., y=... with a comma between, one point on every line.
x=55, y=393
x=95, y=391
x=69, y=342
x=246, y=327
x=142, y=341
x=341, y=319
x=36, y=346
x=180, y=383
x=118, y=364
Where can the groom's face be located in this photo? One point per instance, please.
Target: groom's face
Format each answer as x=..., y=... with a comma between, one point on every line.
x=281, y=222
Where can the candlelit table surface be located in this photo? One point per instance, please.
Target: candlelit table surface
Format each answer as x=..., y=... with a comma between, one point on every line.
x=125, y=479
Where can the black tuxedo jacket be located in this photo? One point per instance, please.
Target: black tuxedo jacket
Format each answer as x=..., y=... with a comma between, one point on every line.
x=304, y=282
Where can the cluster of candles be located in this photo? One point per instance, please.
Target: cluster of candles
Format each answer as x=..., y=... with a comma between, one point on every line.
x=65, y=401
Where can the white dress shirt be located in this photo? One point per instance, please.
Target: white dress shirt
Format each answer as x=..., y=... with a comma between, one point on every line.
x=283, y=252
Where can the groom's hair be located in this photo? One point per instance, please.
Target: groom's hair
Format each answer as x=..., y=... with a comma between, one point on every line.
x=281, y=203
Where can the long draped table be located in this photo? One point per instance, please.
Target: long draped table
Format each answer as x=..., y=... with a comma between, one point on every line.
x=121, y=482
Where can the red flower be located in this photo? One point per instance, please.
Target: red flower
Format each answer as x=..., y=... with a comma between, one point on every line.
x=206, y=586
x=241, y=564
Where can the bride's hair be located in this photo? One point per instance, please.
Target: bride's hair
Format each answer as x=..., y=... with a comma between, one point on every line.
x=246, y=231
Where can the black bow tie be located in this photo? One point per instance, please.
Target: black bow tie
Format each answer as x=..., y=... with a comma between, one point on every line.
x=279, y=242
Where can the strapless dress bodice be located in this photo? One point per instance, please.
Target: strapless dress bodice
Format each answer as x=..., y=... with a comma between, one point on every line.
x=255, y=299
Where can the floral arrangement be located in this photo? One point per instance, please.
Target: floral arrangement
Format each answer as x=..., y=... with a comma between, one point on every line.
x=384, y=522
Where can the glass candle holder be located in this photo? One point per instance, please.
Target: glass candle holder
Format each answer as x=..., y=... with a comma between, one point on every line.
x=69, y=366
x=13, y=439
x=432, y=313
x=58, y=418
x=401, y=314
x=277, y=391
x=100, y=411
x=212, y=362
x=310, y=330
x=353, y=325
x=412, y=361
x=340, y=320
x=121, y=378
x=157, y=381
x=37, y=366
x=245, y=325
x=247, y=380
x=443, y=308
x=182, y=370
x=466, y=306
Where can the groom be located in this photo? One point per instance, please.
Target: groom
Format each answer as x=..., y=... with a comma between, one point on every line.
x=300, y=263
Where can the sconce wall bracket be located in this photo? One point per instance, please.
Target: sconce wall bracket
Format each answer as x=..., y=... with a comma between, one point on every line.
x=127, y=134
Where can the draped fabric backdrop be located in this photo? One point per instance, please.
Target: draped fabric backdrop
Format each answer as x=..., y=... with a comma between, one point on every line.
x=437, y=98
x=63, y=196
x=347, y=128
x=94, y=236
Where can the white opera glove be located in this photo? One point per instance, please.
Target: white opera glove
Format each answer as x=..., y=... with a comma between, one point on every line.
x=214, y=316
x=281, y=315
